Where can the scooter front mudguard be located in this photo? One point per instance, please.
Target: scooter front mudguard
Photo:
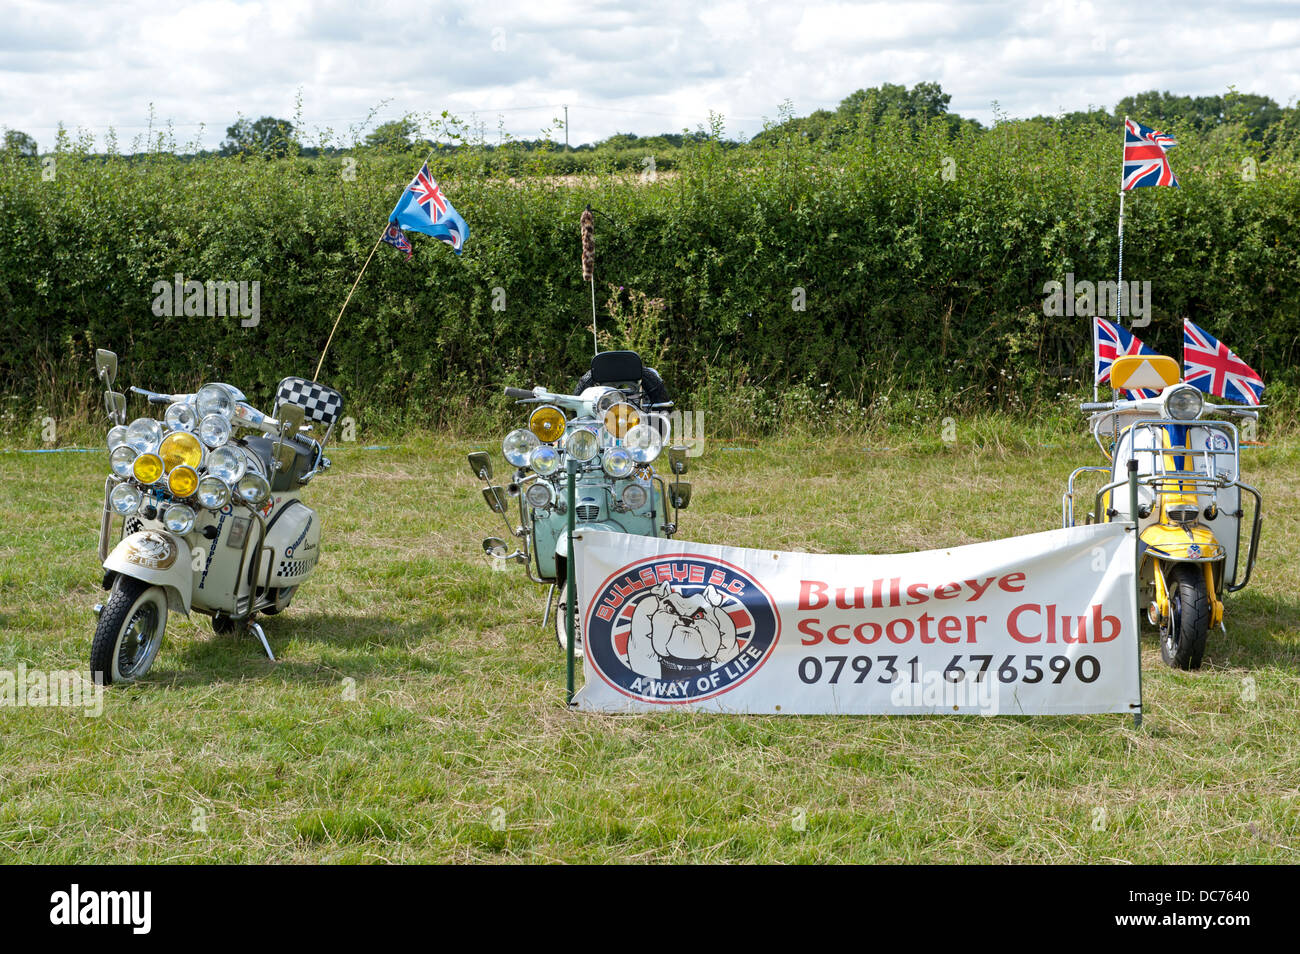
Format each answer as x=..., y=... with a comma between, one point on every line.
x=158, y=557
x=1182, y=545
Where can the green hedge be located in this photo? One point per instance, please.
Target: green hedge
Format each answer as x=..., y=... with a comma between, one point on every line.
x=913, y=282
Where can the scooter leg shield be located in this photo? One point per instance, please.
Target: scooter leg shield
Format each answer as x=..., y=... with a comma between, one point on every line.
x=157, y=557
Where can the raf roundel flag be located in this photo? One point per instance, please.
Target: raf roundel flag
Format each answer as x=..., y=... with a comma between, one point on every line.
x=423, y=208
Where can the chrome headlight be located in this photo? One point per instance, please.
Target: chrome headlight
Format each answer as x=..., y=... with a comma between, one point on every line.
x=634, y=496
x=147, y=469
x=540, y=494
x=582, y=444
x=180, y=448
x=617, y=462
x=213, y=493
x=214, y=399
x=178, y=518
x=1184, y=403
x=121, y=459
x=181, y=417
x=182, y=481
x=253, y=489
x=116, y=437
x=228, y=464
x=144, y=434
x=545, y=460
x=644, y=442
x=124, y=499
x=518, y=445
x=214, y=430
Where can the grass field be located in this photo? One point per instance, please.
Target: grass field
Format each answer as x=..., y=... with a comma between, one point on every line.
x=415, y=713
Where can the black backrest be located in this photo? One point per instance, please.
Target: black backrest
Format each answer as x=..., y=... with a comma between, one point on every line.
x=616, y=367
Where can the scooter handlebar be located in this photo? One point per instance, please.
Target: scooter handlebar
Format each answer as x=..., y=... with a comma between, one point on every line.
x=519, y=393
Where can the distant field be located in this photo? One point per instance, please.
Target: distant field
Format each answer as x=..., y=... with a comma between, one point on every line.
x=416, y=711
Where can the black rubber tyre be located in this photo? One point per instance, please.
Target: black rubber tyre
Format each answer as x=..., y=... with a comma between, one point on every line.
x=1182, y=643
x=283, y=596
x=130, y=631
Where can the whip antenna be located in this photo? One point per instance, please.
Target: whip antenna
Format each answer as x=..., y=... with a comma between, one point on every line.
x=588, y=228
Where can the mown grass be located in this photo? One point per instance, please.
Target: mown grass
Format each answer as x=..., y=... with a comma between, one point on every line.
x=415, y=713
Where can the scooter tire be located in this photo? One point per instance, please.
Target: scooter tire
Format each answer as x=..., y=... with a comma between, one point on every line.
x=131, y=602
x=562, y=631
x=1182, y=644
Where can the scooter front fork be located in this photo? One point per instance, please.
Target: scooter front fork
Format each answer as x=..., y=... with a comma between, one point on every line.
x=1158, y=611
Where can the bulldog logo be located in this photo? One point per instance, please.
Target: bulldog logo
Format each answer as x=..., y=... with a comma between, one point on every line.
x=674, y=634
x=679, y=629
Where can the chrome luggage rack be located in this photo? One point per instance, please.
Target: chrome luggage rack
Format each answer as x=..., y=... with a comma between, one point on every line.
x=1164, y=475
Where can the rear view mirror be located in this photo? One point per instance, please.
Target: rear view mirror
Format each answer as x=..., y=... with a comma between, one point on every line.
x=480, y=464
x=106, y=366
x=115, y=405
x=677, y=459
x=680, y=493
x=495, y=547
x=495, y=498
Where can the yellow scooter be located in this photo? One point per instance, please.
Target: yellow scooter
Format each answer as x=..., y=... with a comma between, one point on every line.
x=1190, y=511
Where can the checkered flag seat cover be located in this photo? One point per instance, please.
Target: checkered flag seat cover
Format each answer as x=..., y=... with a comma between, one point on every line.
x=318, y=402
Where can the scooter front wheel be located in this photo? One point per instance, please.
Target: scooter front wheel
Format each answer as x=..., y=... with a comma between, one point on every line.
x=562, y=630
x=130, y=631
x=1183, y=637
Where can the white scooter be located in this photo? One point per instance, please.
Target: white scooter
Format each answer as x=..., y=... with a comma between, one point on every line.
x=211, y=521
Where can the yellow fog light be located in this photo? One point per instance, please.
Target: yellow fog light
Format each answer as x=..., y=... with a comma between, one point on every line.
x=147, y=468
x=182, y=481
x=180, y=448
x=547, y=423
x=621, y=418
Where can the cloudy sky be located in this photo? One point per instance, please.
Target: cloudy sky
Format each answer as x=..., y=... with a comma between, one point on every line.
x=641, y=66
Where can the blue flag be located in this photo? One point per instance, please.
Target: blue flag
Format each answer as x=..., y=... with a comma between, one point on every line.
x=423, y=208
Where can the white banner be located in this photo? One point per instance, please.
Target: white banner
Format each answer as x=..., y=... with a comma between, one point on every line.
x=1040, y=624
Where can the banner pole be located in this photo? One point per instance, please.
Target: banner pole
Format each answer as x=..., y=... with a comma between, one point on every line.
x=1137, y=577
x=324, y=351
x=571, y=471
x=315, y=377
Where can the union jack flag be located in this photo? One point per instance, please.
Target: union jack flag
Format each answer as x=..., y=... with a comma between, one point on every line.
x=1110, y=341
x=397, y=238
x=1145, y=163
x=1210, y=365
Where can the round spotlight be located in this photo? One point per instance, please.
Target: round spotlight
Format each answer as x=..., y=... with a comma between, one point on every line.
x=213, y=493
x=121, y=459
x=518, y=446
x=214, y=430
x=540, y=494
x=124, y=499
x=634, y=496
x=547, y=422
x=582, y=444
x=545, y=460
x=181, y=417
x=147, y=468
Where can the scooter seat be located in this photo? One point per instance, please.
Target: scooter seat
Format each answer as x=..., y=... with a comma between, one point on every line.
x=290, y=477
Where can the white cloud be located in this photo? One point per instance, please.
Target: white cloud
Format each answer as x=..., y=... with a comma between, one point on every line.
x=621, y=65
